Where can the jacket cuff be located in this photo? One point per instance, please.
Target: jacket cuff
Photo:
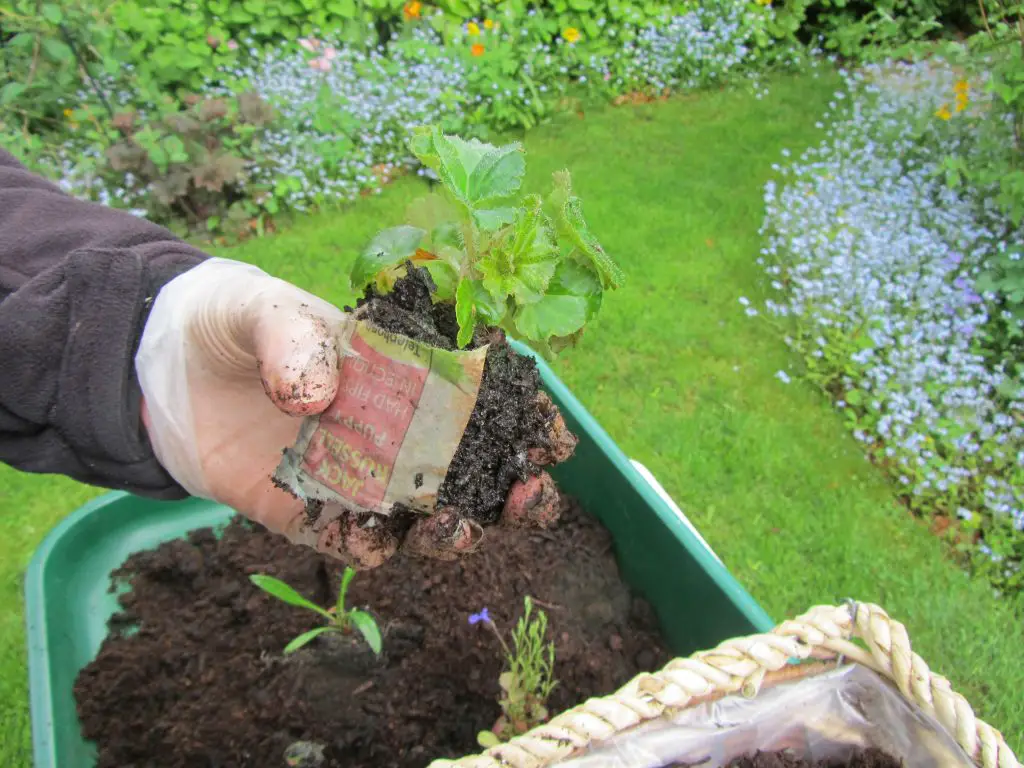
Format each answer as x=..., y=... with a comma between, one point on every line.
x=98, y=403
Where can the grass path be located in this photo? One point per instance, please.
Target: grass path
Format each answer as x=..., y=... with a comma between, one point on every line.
x=681, y=378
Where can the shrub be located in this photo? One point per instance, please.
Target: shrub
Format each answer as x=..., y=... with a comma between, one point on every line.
x=877, y=264
x=191, y=165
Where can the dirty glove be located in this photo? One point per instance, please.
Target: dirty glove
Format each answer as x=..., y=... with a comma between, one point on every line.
x=230, y=361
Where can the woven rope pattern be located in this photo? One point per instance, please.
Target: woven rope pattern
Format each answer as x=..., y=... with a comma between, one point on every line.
x=740, y=665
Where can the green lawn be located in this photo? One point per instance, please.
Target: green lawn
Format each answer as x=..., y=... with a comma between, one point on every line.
x=682, y=380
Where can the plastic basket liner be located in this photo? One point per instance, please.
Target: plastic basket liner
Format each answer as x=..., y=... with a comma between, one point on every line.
x=824, y=716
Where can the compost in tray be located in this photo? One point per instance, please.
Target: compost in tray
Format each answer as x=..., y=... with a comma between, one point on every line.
x=200, y=679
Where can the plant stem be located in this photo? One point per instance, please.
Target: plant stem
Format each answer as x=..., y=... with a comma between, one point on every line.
x=85, y=70
x=504, y=646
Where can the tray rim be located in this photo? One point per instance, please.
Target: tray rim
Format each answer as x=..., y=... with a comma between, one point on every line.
x=41, y=701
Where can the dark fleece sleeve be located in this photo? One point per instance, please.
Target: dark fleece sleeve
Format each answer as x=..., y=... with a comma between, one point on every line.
x=76, y=283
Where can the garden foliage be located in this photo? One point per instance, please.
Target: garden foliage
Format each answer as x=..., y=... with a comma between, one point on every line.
x=346, y=81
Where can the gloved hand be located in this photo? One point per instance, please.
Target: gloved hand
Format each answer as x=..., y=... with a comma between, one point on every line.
x=230, y=361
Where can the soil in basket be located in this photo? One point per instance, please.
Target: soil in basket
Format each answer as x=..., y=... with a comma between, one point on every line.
x=861, y=758
x=199, y=680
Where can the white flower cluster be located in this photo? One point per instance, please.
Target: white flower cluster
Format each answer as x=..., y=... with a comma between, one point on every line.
x=685, y=51
x=345, y=115
x=875, y=259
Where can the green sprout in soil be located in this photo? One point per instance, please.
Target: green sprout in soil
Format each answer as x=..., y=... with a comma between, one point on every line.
x=524, y=263
x=340, y=620
x=528, y=679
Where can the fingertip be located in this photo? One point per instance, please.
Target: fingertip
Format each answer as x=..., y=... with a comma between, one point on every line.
x=533, y=502
x=445, y=535
x=363, y=548
x=298, y=362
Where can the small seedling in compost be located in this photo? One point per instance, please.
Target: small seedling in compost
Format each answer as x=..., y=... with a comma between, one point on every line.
x=528, y=679
x=341, y=620
x=527, y=264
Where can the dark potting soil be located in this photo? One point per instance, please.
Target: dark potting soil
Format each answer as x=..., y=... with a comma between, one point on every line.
x=200, y=680
x=506, y=422
x=861, y=758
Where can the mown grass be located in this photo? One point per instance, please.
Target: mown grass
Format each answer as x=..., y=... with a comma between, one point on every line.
x=681, y=378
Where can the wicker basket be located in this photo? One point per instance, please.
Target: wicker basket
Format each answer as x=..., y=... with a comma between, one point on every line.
x=745, y=665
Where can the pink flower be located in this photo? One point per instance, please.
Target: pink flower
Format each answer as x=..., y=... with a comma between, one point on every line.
x=309, y=43
x=232, y=45
x=329, y=53
x=321, y=64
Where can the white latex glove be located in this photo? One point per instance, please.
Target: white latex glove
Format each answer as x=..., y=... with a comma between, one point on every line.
x=230, y=361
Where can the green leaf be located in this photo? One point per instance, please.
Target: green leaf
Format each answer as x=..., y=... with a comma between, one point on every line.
x=388, y=248
x=552, y=316
x=498, y=174
x=464, y=312
x=487, y=739
x=304, y=638
x=57, y=50
x=21, y=41
x=473, y=172
x=344, y=8
x=574, y=278
x=10, y=92
x=569, y=215
x=445, y=278
x=521, y=265
x=284, y=593
x=490, y=219
x=368, y=627
x=438, y=217
x=52, y=13
x=346, y=579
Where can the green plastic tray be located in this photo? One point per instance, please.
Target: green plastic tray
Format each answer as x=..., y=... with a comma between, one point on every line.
x=67, y=585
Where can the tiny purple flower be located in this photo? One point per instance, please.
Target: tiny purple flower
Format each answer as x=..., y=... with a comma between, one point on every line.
x=476, y=618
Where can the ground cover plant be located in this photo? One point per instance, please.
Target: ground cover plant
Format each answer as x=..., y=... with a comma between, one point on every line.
x=880, y=264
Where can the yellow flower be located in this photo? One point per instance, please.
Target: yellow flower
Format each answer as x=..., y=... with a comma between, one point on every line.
x=763, y=2
x=473, y=28
x=943, y=112
x=477, y=49
x=961, y=86
x=488, y=24
x=68, y=113
x=412, y=9
x=571, y=34
x=961, y=102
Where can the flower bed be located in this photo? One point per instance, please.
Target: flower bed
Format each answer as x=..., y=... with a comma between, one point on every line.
x=342, y=110
x=874, y=261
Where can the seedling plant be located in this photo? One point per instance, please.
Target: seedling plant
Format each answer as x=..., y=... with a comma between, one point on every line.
x=528, y=679
x=525, y=263
x=339, y=619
